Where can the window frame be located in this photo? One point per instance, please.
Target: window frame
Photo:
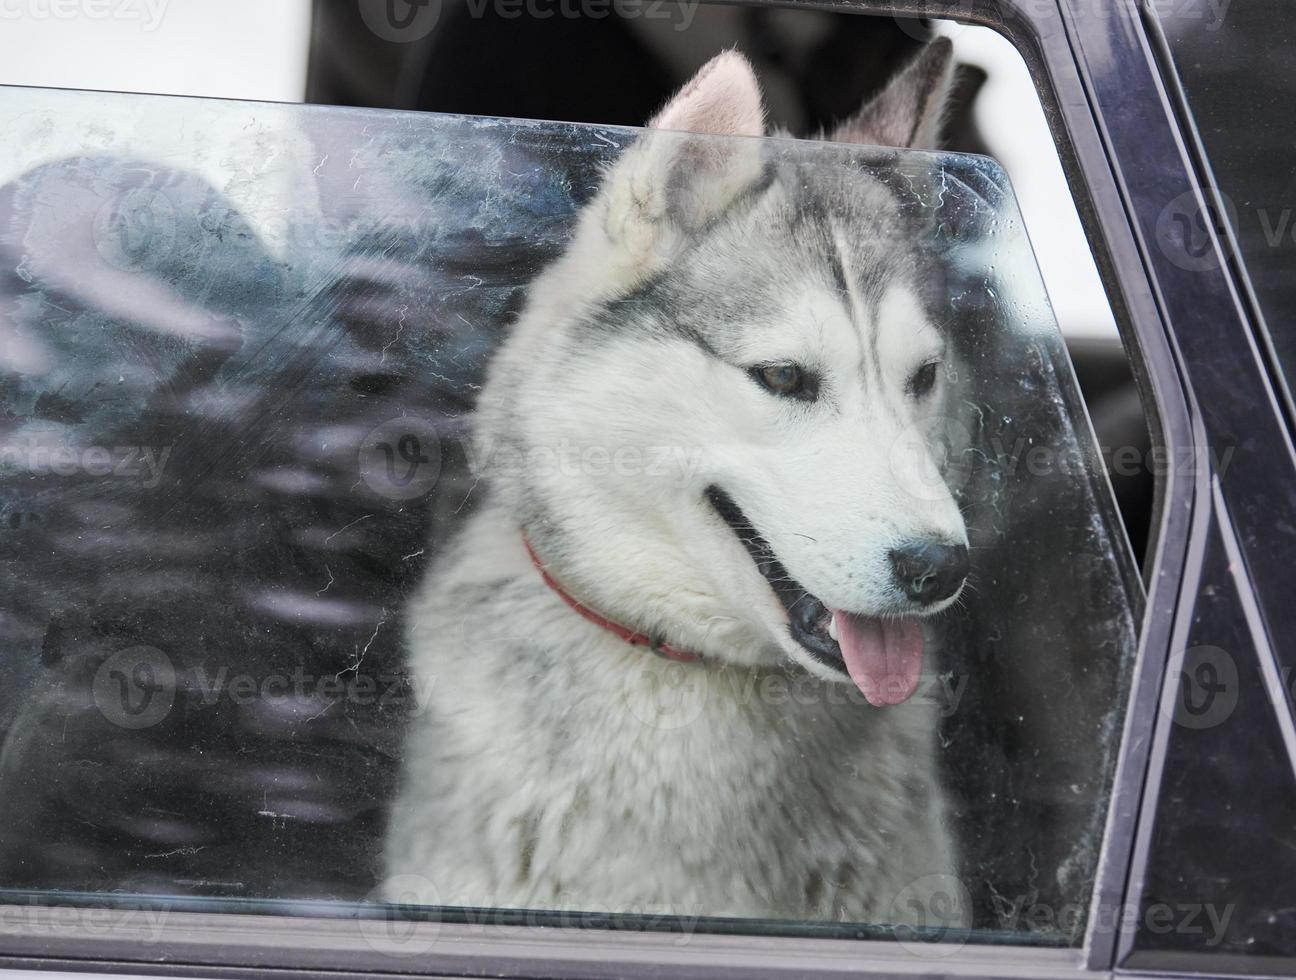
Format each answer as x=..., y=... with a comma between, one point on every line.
x=1082, y=57
x=1222, y=348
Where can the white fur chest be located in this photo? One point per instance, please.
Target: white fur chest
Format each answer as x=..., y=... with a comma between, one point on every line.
x=555, y=766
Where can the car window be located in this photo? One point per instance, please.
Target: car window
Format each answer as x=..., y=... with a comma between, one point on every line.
x=1230, y=61
x=1216, y=844
x=1220, y=898
x=546, y=523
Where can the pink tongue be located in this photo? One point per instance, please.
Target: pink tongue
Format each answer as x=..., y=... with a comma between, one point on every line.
x=884, y=658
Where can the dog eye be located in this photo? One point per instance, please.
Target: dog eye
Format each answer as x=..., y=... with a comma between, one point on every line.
x=790, y=380
x=923, y=380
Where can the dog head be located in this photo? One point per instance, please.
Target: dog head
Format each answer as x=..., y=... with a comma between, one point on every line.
x=718, y=402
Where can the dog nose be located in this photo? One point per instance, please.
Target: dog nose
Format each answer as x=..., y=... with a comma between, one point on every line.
x=928, y=572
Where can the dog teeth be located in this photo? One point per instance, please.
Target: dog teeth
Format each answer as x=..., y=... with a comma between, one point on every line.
x=832, y=627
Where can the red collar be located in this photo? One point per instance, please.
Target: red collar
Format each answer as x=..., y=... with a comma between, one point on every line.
x=630, y=636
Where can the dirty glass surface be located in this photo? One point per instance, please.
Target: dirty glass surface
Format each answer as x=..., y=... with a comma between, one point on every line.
x=243, y=349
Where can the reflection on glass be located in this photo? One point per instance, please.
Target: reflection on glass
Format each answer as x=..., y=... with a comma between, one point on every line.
x=561, y=520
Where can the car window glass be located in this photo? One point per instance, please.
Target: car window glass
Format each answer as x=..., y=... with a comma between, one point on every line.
x=619, y=525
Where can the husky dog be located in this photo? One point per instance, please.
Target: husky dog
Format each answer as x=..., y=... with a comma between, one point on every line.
x=761, y=316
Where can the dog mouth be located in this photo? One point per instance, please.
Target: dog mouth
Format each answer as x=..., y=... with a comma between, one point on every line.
x=881, y=655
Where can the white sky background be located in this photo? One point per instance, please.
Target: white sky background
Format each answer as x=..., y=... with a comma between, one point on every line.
x=235, y=49
x=1011, y=120
x=256, y=49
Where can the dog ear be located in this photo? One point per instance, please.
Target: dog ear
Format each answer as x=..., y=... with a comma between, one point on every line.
x=909, y=111
x=667, y=183
x=723, y=98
